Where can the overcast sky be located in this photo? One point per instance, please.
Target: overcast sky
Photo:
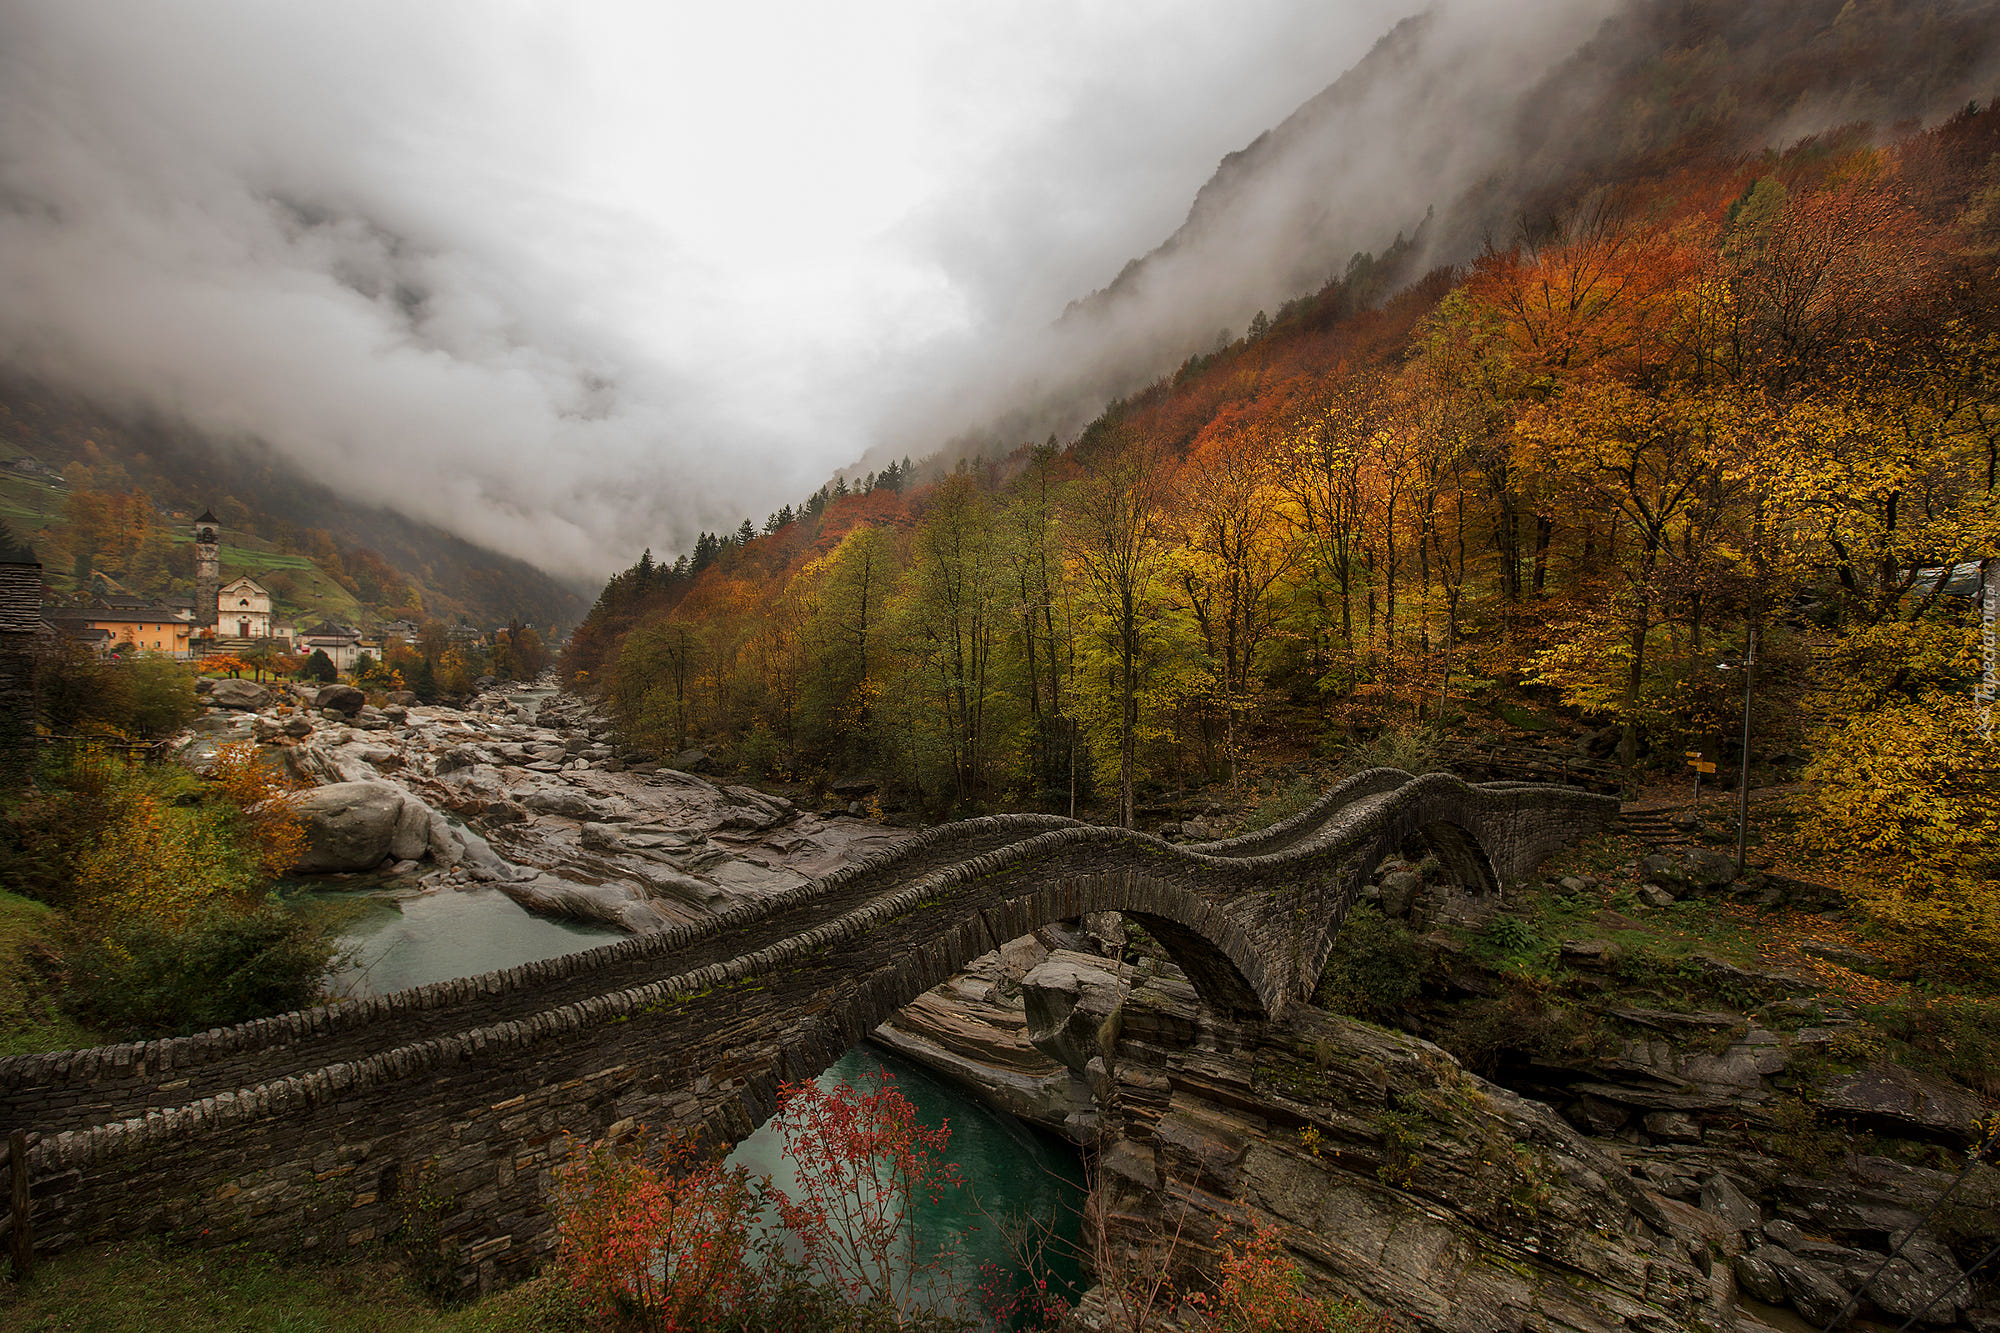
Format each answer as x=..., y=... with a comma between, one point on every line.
x=573, y=278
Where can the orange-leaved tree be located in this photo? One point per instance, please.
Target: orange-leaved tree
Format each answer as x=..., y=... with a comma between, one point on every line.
x=1259, y=1289
x=268, y=802
x=667, y=1237
x=864, y=1163
x=658, y=1237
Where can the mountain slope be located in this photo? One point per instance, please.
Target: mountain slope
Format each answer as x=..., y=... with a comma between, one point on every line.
x=272, y=512
x=1465, y=124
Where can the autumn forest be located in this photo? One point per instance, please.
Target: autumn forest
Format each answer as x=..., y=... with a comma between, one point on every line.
x=1721, y=396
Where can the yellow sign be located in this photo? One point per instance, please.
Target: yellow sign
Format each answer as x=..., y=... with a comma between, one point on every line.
x=1701, y=767
x=1692, y=754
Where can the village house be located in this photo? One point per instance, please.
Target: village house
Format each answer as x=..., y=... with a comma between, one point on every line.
x=341, y=645
x=119, y=623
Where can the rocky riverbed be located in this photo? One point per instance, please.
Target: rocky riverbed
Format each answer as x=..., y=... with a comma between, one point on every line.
x=527, y=791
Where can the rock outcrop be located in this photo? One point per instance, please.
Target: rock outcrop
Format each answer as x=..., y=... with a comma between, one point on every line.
x=1403, y=1179
x=1399, y=1177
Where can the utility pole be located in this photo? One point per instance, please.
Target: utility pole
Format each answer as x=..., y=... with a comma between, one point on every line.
x=1743, y=782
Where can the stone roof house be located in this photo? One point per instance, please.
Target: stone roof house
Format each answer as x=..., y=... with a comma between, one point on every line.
x=23, y=637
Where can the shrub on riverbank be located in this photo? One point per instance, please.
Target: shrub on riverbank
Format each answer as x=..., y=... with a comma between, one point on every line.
x=164, y=917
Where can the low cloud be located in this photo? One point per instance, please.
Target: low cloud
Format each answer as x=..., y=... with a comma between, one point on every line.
x=572, y=281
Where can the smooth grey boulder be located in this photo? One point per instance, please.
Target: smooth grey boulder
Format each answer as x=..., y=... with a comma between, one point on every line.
x=244, y=695
x=411, y=837
x=341, y=698
x=350, y=825
x=1759, y=1276
x=560, y=801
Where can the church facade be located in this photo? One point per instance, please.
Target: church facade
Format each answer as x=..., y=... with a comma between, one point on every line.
x=242, y=610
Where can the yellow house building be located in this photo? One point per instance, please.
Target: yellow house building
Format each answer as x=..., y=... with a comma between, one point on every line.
x=151, y=628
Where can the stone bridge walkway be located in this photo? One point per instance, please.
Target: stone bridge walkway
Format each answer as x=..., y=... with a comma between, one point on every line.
x=306, y=1131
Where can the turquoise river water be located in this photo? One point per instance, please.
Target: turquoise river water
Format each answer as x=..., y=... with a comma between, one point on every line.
x=1019, y=1180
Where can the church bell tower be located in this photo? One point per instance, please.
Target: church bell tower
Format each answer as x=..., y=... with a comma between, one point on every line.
x=207, y=567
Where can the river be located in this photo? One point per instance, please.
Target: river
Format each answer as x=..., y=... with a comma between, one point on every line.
x=395, y=937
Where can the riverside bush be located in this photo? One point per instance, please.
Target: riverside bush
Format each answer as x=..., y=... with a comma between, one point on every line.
x=146, y=978
x=1377, y=967
x=140, y=696
x=162, y=880
x=664, y=1239
x=1258, y=1289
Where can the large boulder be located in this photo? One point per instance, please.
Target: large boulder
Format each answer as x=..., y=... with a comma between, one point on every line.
x=1070, y=998
x=351, y=825
x=246, y=695
x=1688, y=870
x=411, y=837
x=341, y=698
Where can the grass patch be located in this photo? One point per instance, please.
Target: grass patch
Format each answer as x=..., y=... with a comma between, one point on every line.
x=30, y=1018
x=1954, y=1036
x=143, y=1286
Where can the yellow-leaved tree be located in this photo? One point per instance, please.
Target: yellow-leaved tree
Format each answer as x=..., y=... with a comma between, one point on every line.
x=1898, y=808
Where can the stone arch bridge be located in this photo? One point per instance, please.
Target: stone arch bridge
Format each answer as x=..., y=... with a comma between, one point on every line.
x=304, y=1130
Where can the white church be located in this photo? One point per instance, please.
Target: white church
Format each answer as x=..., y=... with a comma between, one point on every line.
x=239, y=609
x=243, y=610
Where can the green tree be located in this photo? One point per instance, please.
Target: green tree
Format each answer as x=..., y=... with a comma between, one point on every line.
x=1035, y=587
x=1112, y=532
x=951, y=627
x=855, y=583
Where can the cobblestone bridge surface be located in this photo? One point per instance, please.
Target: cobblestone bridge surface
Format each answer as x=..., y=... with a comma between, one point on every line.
x=312, y=1130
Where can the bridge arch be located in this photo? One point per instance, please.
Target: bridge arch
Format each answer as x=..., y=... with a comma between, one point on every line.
x=1226, y=973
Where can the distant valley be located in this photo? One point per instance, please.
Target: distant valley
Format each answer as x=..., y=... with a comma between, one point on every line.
x=104, y=499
